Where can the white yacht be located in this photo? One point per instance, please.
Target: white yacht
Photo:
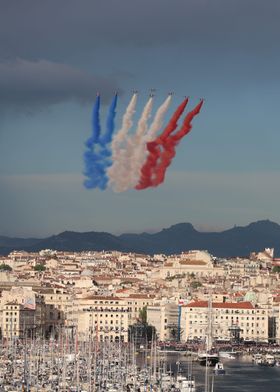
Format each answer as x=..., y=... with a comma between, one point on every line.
x=228, y=354
x=270, y=360
x=219, y=369
x=257, y=359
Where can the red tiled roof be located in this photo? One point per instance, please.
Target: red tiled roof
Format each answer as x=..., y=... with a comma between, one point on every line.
x=141, y=296
x=104, y=298
x=221, y=305
x=192, y=262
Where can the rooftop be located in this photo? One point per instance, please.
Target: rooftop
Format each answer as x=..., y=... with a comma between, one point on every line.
x=221, y=305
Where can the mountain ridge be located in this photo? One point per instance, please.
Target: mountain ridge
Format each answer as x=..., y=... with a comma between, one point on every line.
x=237, y=241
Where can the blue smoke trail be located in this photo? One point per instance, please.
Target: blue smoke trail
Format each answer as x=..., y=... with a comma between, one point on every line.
x=107, y=139
x=93, y=168
x=96, y=129
x=97, y=162
x=110, y=126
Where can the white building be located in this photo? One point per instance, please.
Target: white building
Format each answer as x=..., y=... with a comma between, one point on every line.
x=252, y=321
x=164, y=317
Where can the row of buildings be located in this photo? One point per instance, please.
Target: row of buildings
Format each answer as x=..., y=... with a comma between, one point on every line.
x=102, y=294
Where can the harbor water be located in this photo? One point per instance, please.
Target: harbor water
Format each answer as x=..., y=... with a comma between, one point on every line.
x=242, y=375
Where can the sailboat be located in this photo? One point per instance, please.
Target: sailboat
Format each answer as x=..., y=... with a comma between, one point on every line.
x=185, y=383
x=209, y=357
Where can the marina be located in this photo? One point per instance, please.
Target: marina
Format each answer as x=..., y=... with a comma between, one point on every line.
x=71, y=366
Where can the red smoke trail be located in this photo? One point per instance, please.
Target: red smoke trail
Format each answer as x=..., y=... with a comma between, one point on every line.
x=172, y=125
x=187, y=126
x=169, y=146
x=154, y=151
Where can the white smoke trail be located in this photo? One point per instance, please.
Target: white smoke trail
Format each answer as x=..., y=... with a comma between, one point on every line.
x=122, y=170
x=119, y=143
x=157, y=124
x=133, y=143
x=140, y=151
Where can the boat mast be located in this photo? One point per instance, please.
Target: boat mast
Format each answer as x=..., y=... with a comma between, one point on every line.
x=209, y=336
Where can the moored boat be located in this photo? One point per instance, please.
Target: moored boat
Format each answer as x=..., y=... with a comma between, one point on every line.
x=208, y=358
x=185, y=384
x=228, y=354
x=219, y=368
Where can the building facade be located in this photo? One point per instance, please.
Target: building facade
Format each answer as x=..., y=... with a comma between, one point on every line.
x=225, y=318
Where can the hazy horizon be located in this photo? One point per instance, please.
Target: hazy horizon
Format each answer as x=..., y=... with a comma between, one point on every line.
x=197, y=227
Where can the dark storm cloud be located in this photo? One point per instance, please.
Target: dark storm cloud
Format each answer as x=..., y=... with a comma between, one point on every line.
x=50, y=36
x=29, y=85
x=54, y=29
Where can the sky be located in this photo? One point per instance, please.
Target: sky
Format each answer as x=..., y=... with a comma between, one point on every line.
x=56, y=55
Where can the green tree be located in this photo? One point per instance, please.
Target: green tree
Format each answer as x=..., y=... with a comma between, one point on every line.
x=276, y=269
x=141, y=334
x=143, y=315
x=195, y=284
x=39, y=268
x=5, y=267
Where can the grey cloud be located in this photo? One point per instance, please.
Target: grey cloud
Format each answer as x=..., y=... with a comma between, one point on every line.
x=51, y=29
x=29, y=85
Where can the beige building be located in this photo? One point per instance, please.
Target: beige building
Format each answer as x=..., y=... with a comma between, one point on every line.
x=33, y=313
x=106, y=318
x=136, y=302
x=18, y=321
x=164, y=317
x=194, y=262
x=253, y=322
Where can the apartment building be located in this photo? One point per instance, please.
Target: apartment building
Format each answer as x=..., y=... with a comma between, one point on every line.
x=17, y=321
x=102, y=317
x=164, y=317
x=136, y=302
x=251, y=322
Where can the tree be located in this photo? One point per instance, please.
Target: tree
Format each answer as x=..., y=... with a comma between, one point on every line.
x=141, y=334
x=5, y=267
x=143, y=315
x=276, y=269
x=195, y=284
x=39, y=268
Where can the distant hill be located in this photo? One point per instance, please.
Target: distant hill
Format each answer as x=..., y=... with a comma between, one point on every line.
x=238, y=241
